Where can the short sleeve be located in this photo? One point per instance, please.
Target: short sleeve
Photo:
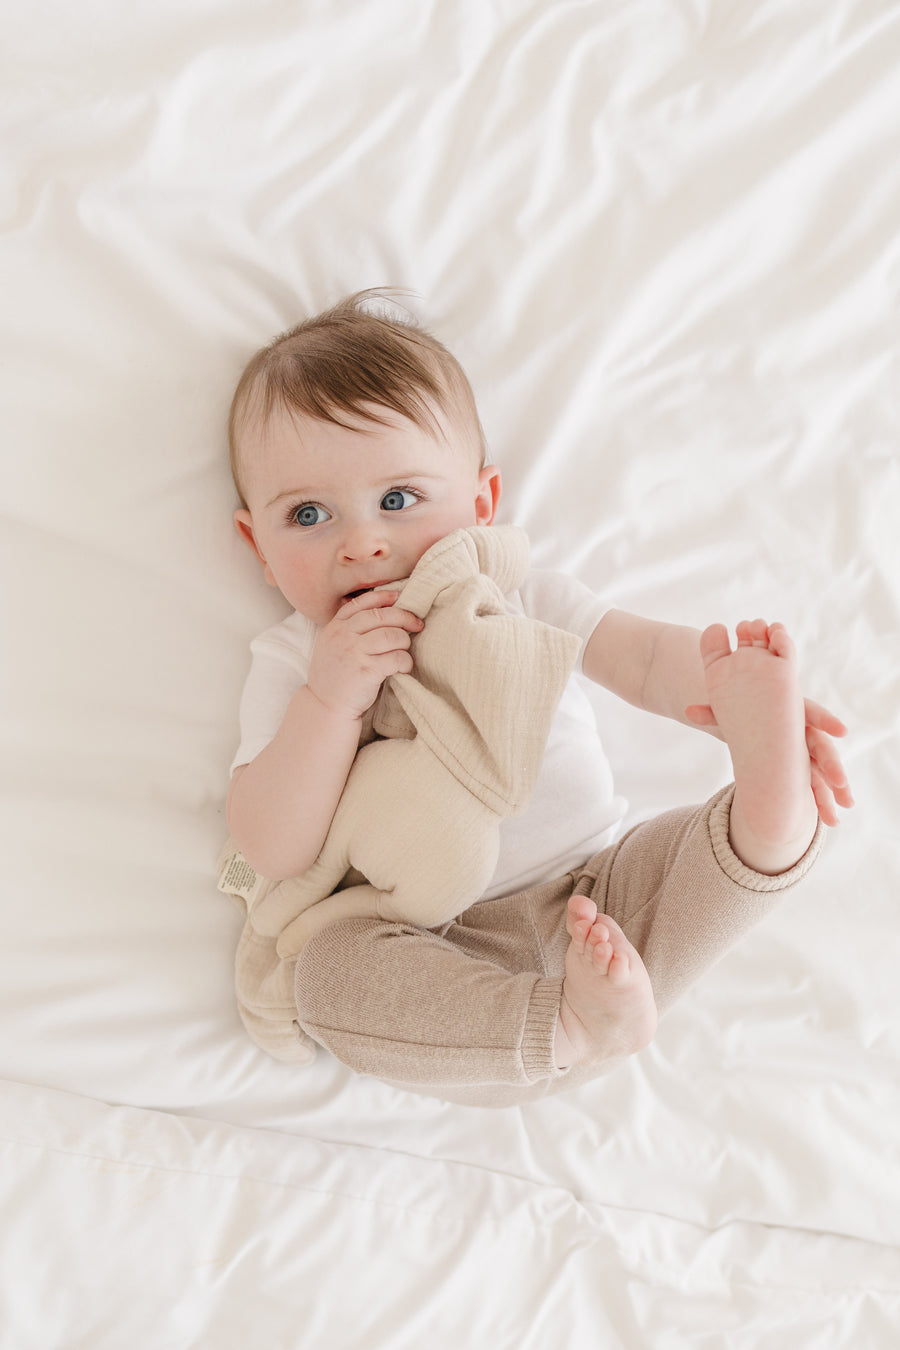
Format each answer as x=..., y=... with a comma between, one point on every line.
x=280, y=664
x=563, y=601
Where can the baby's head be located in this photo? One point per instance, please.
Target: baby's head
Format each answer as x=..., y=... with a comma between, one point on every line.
x=350, y=364
x=355, y=444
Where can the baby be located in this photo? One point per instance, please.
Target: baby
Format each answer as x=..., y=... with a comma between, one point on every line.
x=356, y=445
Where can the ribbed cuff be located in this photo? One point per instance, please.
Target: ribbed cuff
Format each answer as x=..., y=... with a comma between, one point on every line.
x=718, y=822
x=539, y=1035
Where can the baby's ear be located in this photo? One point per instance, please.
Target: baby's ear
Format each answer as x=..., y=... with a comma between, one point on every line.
x=243, y=523
x=487, y=498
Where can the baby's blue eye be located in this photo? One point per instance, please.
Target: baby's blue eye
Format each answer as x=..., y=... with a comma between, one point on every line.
x=397, y=499
x=309, y=514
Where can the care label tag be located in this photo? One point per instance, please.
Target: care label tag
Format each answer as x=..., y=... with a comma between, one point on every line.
x=237, y=877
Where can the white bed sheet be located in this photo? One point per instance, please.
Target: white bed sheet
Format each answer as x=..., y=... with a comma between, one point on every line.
x=662, y=238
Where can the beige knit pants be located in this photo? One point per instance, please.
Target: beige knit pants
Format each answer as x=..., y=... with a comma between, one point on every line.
x=468, y=1012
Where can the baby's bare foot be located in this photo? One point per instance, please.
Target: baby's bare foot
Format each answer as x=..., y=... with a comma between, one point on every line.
x=755, y=694
x=607, y=1007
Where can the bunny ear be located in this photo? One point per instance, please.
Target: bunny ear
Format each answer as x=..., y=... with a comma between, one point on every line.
x=503, y=554
x=499, y=552
x=450, y=560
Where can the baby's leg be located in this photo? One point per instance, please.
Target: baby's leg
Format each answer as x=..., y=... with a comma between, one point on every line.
x=680, y=893
x=478, y=1014
x=755, y=694
x=534, y=992
x=467, y=1013
x=607, y=998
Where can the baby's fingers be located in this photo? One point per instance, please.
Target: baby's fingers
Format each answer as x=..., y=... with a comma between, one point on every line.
x=701, y=714
x=828, y=763
x=822, y=719
x=827, y=800
x=374, y=609
x=824, y=798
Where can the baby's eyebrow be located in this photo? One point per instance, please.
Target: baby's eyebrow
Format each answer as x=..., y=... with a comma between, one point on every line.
x=292, y=492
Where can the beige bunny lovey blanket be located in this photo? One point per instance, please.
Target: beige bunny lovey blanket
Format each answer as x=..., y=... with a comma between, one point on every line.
x=448, y=751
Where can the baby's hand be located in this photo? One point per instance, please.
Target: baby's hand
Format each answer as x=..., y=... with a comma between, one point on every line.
x=366, y=641
x=829, y=781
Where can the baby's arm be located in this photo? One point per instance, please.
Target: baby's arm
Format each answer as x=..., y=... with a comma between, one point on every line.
x=654, y=666
x=280, y=806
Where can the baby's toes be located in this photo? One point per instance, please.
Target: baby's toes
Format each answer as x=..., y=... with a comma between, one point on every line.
x=620, y=963
x=619, y=970
x=714, y=643
x=752, y=633
x=780, y=641
x=612, y=951
x=580, y=917
x=601, y=956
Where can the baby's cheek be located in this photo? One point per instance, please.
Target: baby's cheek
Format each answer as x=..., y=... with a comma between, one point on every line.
x=303, y=585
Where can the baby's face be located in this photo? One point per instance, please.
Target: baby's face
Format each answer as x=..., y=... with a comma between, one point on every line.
x=333, y=511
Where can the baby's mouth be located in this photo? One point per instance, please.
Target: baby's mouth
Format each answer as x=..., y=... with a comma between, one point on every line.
x=364, y=590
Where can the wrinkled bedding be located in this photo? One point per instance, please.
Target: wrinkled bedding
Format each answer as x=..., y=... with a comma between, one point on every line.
x=662, y=239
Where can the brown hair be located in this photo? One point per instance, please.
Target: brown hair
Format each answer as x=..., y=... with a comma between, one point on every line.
x=344, y=361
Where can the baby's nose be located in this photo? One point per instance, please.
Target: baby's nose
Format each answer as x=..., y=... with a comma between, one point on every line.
x=363, y=541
